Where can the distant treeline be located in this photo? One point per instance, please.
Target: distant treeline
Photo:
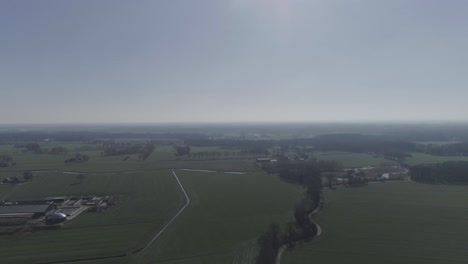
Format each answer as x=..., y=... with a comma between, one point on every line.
x=232, y=143
x=364, y=143
x=447, y=172
x=6, y=160
x=455, y=149
x=379, y=145
x=113, y=148
x=307, y=173
x=38, y=149
x=70, y=136
x=337, y=142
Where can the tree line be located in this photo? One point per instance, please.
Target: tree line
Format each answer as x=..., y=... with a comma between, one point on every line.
x=113, y=148
x=6, y=160
x=7, y=137
x=36, y=148
x=306, y=173
x=447, y=172
x=455, y=149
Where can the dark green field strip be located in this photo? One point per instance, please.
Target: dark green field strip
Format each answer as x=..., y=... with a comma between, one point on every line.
x=400, y=222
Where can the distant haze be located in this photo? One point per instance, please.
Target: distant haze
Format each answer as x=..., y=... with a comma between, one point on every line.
x=112, y=61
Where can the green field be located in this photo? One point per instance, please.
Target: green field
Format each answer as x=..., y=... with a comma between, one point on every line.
x=227, y=214
x=349, y=159
x=146, y=202
x=398, y=222
x=420, y=158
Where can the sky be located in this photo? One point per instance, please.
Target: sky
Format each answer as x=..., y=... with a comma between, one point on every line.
x=170, y=61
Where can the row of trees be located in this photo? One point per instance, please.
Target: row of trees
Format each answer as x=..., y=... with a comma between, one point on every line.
x=395, y=149
x=146, y=151
x=456, y=149
x=227, y=154
x=6, y=160
x=113, y=148
x=182, y=150
x=77, y=158
x=38, y=149
x=452, y=172
x=307, y=173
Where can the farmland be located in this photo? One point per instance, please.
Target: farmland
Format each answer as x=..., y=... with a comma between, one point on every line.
x=420, y=158
x=349, y=159
x=400, y=222
x=227, y=214
x=146, y=201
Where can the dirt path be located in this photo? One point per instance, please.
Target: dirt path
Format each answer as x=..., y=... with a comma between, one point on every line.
x=175, y=216
x=227, y=172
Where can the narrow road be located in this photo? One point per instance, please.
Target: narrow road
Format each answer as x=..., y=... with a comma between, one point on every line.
x=175, y=216
x=77, y=172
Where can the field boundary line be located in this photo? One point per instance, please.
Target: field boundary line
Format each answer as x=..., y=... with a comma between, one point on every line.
x=173, y=218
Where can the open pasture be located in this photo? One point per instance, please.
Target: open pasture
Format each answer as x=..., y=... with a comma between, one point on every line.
x=397, y=222
x=226, y=216
x=145, y=202
x=350, y=160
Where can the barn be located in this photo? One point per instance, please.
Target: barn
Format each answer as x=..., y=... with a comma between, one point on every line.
x=19, y=214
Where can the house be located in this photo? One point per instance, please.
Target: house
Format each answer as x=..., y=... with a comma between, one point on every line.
x=263, y=160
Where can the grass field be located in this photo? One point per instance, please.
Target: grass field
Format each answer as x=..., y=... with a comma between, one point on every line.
x=420, y=158
x=349, y=159
x=227, y=214
x=398, y=222
x=146, y=201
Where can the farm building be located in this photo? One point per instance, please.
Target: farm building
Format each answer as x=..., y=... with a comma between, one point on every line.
x=19, y=214
x=12, y=180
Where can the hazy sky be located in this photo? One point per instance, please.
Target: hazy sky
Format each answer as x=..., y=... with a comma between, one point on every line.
x=233, y=60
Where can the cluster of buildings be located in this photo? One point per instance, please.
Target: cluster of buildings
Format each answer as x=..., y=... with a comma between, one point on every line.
x=12, y=180
x=49, y=211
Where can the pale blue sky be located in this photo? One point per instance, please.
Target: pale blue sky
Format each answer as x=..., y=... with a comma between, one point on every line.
x=235, y=60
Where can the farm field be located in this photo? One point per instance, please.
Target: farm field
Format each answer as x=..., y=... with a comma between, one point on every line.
x=349, y=159
x=227, y=214
x=420, y=158
x=148, y=196
x=146, y=202
x=398, y=222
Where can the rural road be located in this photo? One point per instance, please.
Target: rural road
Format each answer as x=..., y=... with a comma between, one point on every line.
x=175, y=216
x=77, y=172
x=227, y=172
